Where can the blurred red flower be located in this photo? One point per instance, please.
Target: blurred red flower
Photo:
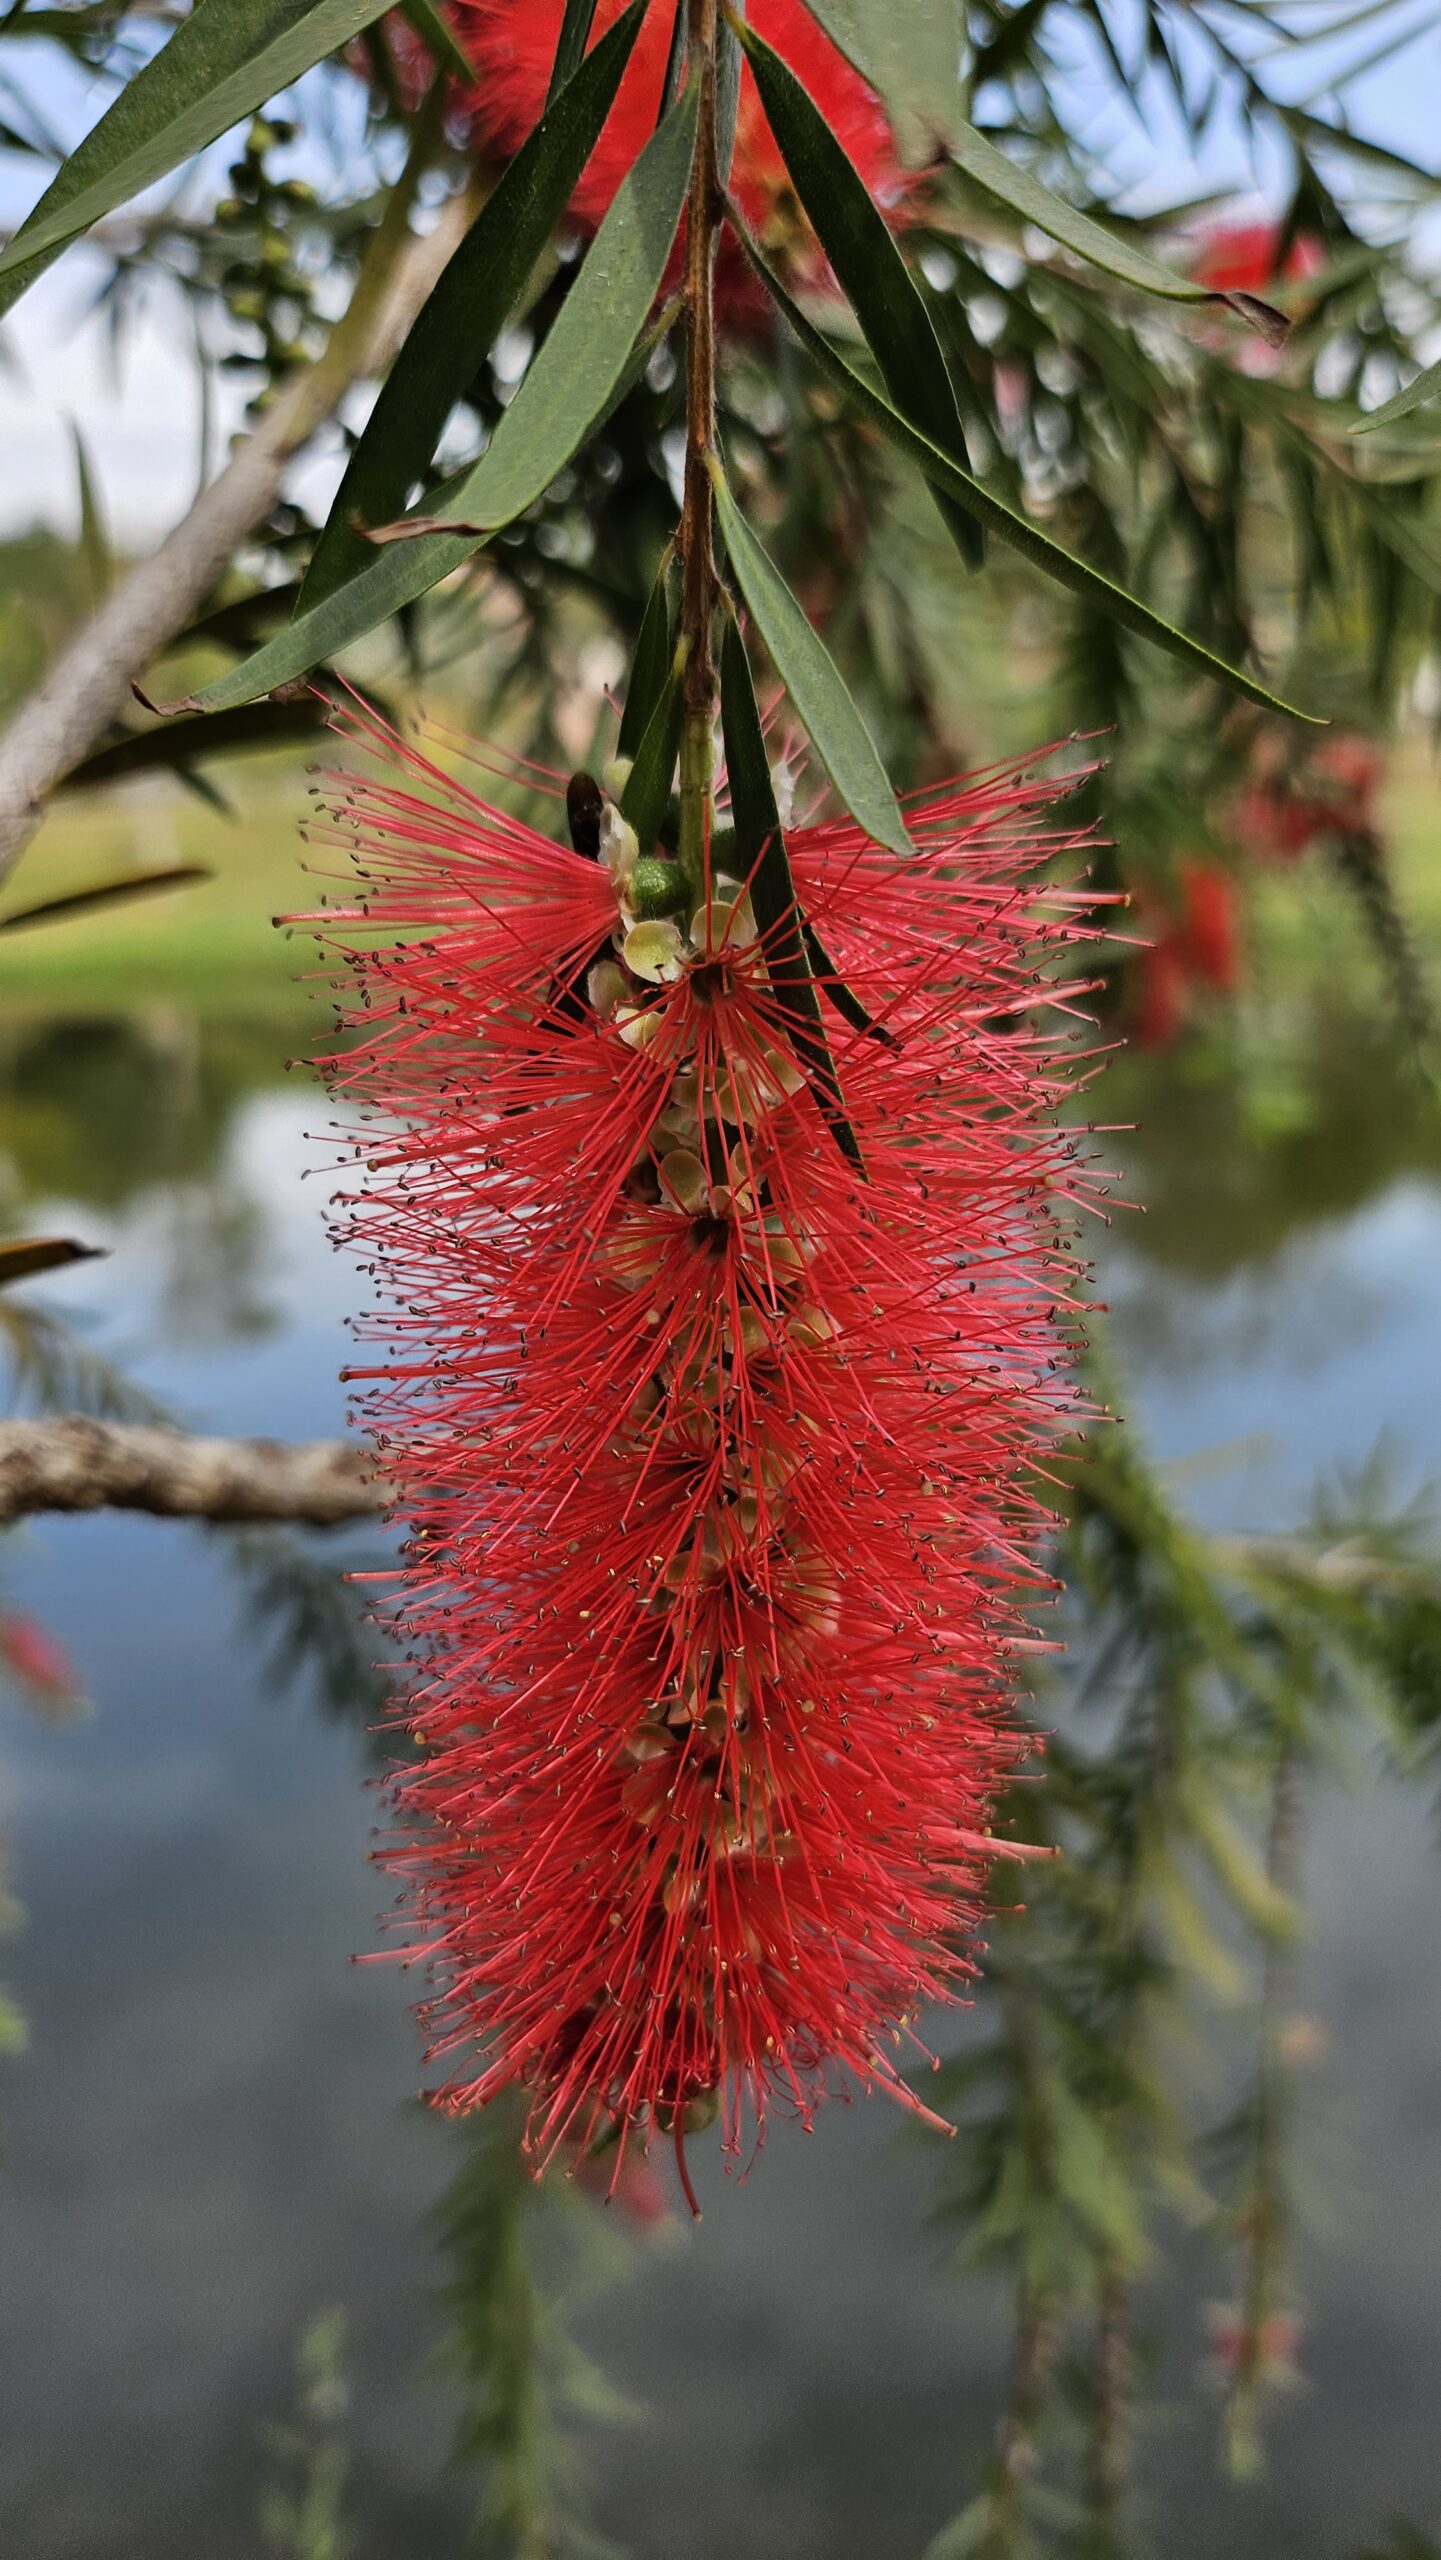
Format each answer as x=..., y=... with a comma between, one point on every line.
x=1332, y=791
x=1194, y=943
x=1241, y=257
x=37, y=1664
x=512, y=44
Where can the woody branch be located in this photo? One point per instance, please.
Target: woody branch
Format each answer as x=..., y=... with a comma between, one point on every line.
x=74, y=1463
x=89, y=684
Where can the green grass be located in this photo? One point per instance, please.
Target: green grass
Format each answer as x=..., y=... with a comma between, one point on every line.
x=213, y=943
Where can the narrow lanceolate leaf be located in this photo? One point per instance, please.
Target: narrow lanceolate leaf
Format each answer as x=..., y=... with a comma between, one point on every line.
x=910, y=51
x=1011, y=185
x=95, y=553
x=464, y=315
x=1017, y=530
x=872, y=273
x=22, y=1260
x=647, y=794
x=728, y=89
x=108, y=893
x=762, y=861
x=847, y=1004
x=650, y=667
x=811, y=678
x=220, y=65
x=179, y=744
x=439, y=38
x=1427, y=386
x=584, y=363
x=574, y=36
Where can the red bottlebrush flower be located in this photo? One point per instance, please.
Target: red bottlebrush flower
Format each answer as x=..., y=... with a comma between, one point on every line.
x=716, y=1455
x=1158, y=995
x=1199, y=946
x=38, y=1665
x=1209, y=927
x=1241, y=257
x=1287, y=806
x=512, y=44
x=1268, y=2349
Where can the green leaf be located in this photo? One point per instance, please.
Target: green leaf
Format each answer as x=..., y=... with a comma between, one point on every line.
x=832, y=984
x=440, y=39
x=872, y=273
x=21, y=1260
x=109, y=893
x=675, y=61
x=1312, y=134
x=94, y=540
x=990, y=169
x=177, y=744
x=584, y=363
x=647, y=794
x=910, y=51
x=1239, y=1866
x=465, y=313
x=650, y=666
x=13, y=2032
x=762, y=861
x=1427, y=386
x=812, y=679
x=571, y=43
x=1002, y=520
x=728, y=88
x=222, y=62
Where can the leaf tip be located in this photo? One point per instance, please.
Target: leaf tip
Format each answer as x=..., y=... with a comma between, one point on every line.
x=1269, y=323
x=185, y=703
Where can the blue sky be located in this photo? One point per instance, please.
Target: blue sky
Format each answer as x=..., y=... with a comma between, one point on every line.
x=142, y=424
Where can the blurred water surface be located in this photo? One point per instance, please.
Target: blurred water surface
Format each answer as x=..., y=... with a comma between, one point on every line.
x=213, y=2135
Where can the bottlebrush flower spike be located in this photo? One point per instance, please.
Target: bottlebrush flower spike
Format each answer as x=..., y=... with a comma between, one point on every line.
x=512, y=44
x=39, y=1666
x=1246, y=257
x=1195, y=943
x=716, y=1454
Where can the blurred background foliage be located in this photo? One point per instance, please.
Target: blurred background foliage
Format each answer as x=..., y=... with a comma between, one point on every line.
x=1273, y=983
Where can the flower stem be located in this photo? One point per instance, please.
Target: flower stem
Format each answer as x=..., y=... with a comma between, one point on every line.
x=697, y=525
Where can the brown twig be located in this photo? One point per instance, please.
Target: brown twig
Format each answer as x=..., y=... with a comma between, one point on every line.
x=74, y=1463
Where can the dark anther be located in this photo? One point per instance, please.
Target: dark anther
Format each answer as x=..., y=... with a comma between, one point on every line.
x=584, y=803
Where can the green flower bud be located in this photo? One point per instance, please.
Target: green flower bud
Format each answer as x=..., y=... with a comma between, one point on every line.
x=655, y=887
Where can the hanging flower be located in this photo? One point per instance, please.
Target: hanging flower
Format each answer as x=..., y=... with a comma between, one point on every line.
x=39, y=1666
x=715, y=1452
x=1292, y=802
x=512, y=44
x=1247, y=257
x=1192, y=943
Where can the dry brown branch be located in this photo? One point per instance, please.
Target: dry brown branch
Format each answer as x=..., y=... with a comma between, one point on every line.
x=73, y=1463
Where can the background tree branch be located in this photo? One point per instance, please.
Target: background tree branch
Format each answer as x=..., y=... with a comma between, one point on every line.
x=89, y=684
x=74, y=1463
